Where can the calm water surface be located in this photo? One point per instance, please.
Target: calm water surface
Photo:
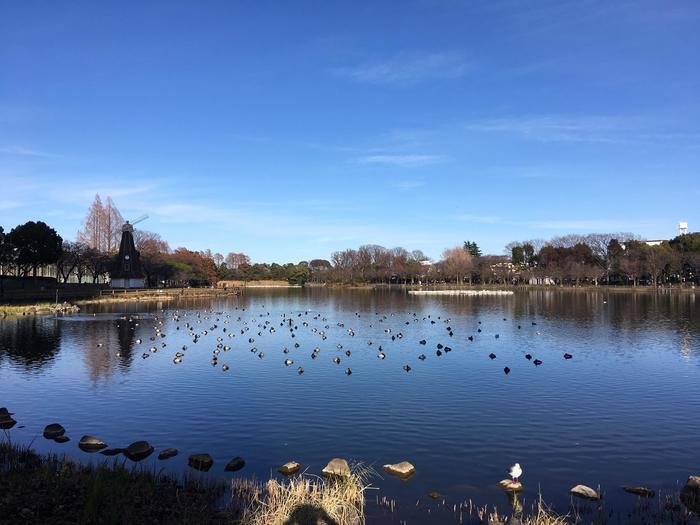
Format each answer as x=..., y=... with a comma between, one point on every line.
x=623, y=411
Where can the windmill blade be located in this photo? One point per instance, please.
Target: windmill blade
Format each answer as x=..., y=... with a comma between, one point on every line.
x=140, y=219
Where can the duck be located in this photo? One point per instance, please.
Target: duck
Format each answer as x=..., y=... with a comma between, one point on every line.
x=506, y=370
x=492, y=355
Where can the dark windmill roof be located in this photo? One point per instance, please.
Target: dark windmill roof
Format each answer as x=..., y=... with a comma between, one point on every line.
x=128, y=263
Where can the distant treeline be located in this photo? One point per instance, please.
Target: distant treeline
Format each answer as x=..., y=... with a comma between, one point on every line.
x=615, y=259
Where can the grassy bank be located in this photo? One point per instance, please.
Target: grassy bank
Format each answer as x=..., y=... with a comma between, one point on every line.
x=36, y=309
x=52, y=489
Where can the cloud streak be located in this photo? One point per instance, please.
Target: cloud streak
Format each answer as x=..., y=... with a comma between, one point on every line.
x=402, y=161
x=406, y=70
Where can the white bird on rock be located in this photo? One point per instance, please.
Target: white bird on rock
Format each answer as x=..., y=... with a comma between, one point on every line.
x=515, y=472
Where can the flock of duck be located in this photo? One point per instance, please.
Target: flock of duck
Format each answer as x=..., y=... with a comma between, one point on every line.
x=229, y=327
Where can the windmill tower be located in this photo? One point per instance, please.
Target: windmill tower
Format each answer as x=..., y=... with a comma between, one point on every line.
x=128, y=273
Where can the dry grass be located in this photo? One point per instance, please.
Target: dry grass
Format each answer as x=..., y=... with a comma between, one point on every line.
x=305, y=499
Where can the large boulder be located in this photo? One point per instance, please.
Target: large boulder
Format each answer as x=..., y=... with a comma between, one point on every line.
x=138, y=450
x=201, y=462
x=403, y=470
x=168, y=453
x=234, y=465
x=91, y=444
x=53, y=431
x=582, y=491
x=337, y=467
x=289, y=468
x=510, y=486
x=690, y=494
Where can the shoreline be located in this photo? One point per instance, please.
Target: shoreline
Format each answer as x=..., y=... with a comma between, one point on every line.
x=21, y=308
x=55, y=488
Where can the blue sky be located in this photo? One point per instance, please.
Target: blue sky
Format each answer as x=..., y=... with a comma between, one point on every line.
x=288, y=130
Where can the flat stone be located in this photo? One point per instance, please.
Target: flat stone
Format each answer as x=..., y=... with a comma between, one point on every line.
x=234, y=465
x=510, y=485
x=61, y=439
x=7, y=423
x=289, y=468
x=112, y=452
x=640, y=491
x=403, y=470
x=582, y=491
x=138, y=450
x=168, y=453
x=91, y=444
x=53, y=431
x=200, y=462
x=337, y=467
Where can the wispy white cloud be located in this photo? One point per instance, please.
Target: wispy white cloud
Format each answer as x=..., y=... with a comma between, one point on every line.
x=407, y=69
x=402, y=161
x=479, y=219
x=409, y=184
x=555, y=128
x=586, y=225
x=21, y=151
x=8, y=205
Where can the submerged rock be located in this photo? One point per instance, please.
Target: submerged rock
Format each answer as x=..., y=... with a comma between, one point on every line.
x=289, y=468
x=640, y=491
x=510, y=485
x=582, y=491
x=138, y=450
x=200, y=462
x=434, y=494
x=7, y=423
x=234, y=465
x=53, y=431
x=91, y=444
x=62, y=439
x=337, y=467
x=112, y=452
x=690, y=494
x=168, y=453
x=403, y=470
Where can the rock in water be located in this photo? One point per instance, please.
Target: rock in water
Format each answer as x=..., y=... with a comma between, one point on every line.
x=138, y=450
x=337, y=467
x=235, y=464
x=690, y=495
x=434, y=494
x=289, y=468
x=4, y=413
x=403, y=470
x=168, y=453
x=62, y=439
x=640, y=491
x=112, y=452
x=510, y=485
x=7, y=423
x=582, y=491
x=53, y=431
x=91, y=444
x=200, y=462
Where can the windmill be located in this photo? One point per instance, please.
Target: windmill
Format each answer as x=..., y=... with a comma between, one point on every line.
x=127, y=272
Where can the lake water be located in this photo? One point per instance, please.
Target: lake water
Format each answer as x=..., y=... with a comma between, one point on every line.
x=623, y=411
